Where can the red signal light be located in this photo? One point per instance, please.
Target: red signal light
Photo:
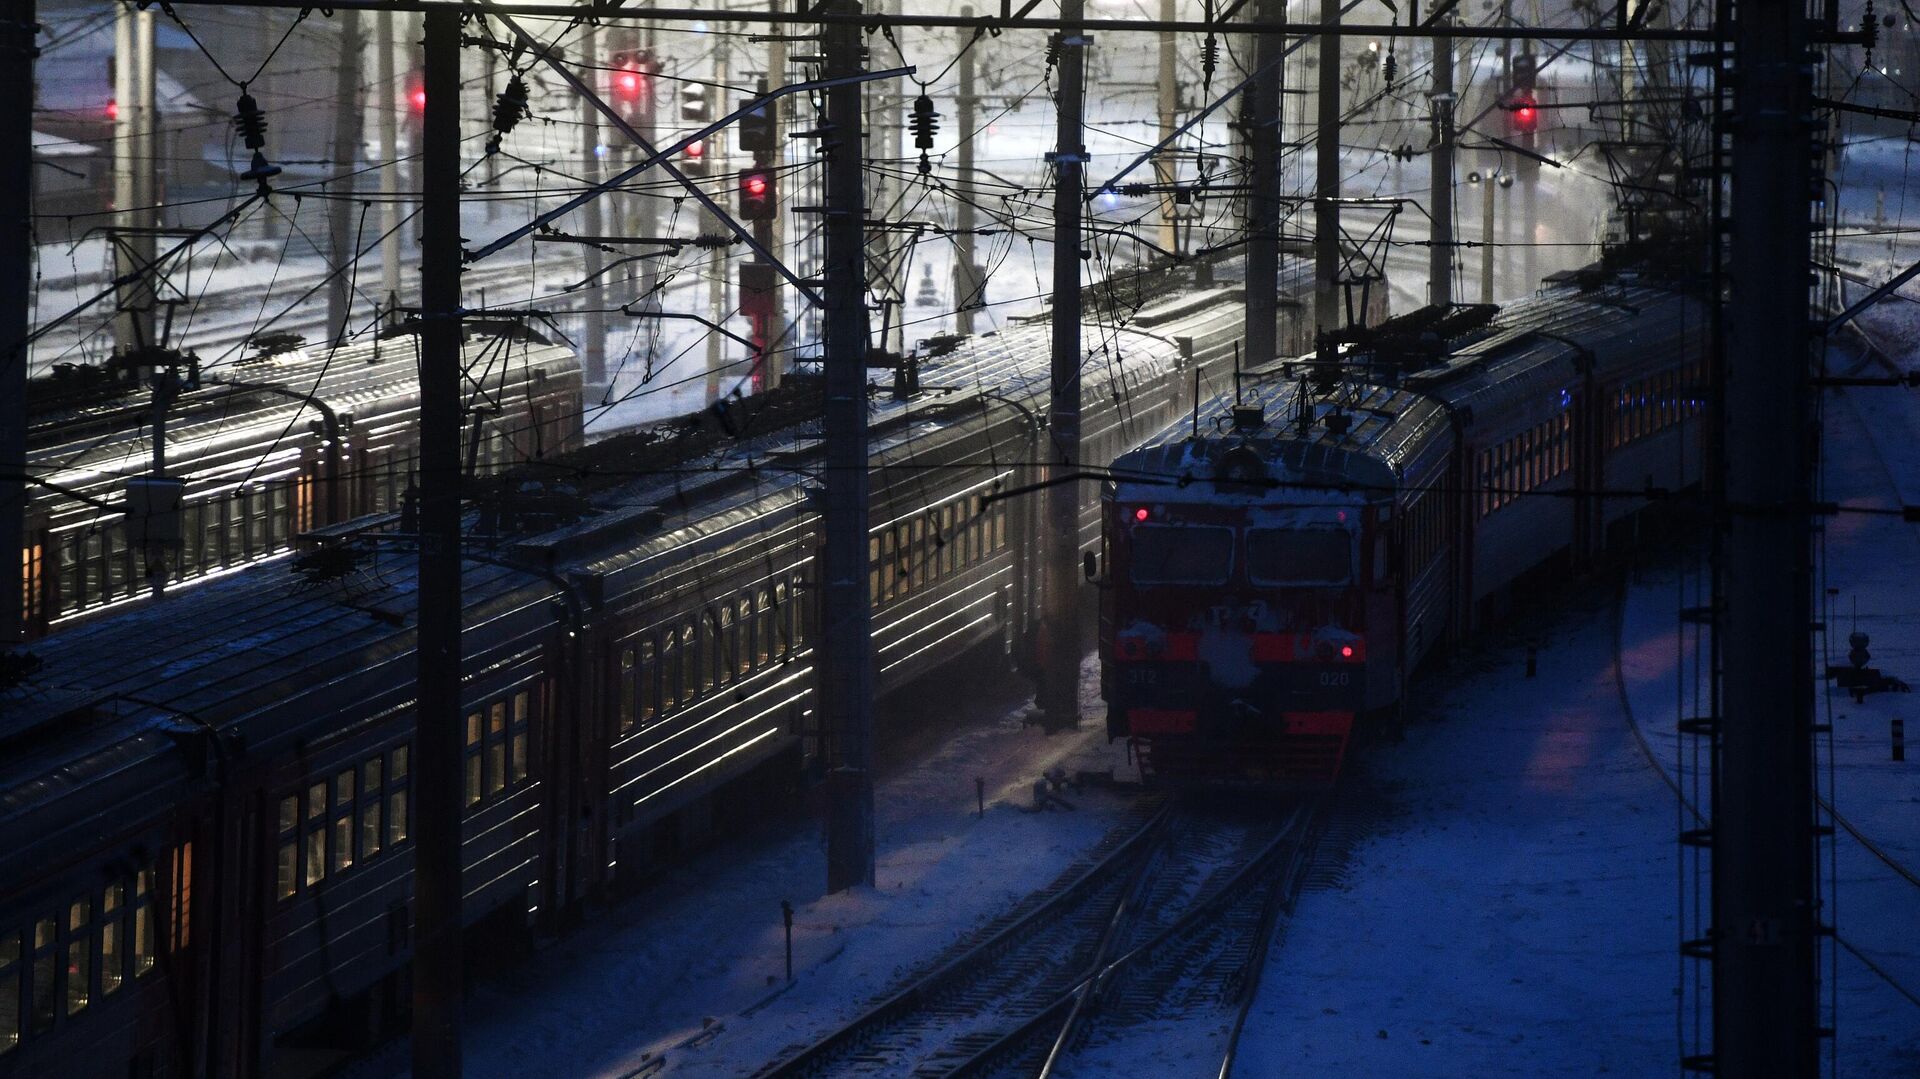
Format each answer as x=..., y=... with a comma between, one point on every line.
x=1526, y=113
x=1346, y=651
x=756, y=185
x=628, y=82
x=696, y=150
x=1141, y=514
x=418, y=99
x=113, y=109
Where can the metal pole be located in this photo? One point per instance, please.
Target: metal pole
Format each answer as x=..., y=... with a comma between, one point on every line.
x=1263, y=201
x=1165, y=168
x=147, y=193
x=716, y=257
x=1486, y=239
x=1326, y=208
x=387, y=117
x=132, y=165
x=1765, y=918
x=341, y=212
x=437, y=768
x=594, y=348
x=647, y=204
x=1440, y=197
x=846, y=679
x=1059, y=660
x=155, y=554
x=966, y=265
x=17, y=52
x=774, y=361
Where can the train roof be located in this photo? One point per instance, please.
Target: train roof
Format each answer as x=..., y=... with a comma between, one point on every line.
x=227, y=656
x=224, y=434
x=1473, y=363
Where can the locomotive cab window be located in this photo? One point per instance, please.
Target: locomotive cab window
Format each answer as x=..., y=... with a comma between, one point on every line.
x=1181, y=554
x=1300, y=556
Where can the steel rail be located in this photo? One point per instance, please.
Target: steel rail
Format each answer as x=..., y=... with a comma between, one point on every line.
x=1063, y=1009
x=818, y=1057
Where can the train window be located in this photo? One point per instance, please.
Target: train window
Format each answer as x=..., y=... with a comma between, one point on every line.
x=497, y=748
x=873, y=574
x=288, y=878
x=1299, y=556
x=79, y=955
x=743, y=642
x=1181, y=554
x=783, y=619
x=644, y=684
x=999, y=526
x=371, y=830
x=917, y=551
x=721, y=623
x=46, y=965
x=343, y=821
x=763, y=633
x=889, y=567
x=669, y=677
x=113, y=950
x=523, y=720
x=397, y=817
x=316, y=861
x=626, y=690
x=689, y=663
x=180, y=896
x=473, y=758
x=143, y=949
x=9, y=991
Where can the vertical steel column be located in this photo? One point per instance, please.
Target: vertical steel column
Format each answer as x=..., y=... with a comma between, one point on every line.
x=966, y=262
x=717, y=155
x=1059, y=660
x=846, y=676
x=342, y=214
x=17, y=53
x=1166, y=169
x=387, y=102
x=1765, y=953
x=1326, y=207
x=593, y=350
x=1440, y=196
x=437, y=737
x=779, y=343
x=1263, y=200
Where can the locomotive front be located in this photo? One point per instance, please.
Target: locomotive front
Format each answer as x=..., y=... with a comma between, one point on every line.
x=1234, y=625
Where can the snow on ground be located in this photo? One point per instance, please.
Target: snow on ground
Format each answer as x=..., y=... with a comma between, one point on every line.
x=1516, y=914
x=691, y=968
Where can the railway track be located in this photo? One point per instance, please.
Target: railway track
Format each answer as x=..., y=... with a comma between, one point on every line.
x=1193, y=966
x=1165, y=920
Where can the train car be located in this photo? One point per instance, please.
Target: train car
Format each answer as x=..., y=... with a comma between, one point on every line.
x=214, y=793
x=269, y=447
x=1281, y=563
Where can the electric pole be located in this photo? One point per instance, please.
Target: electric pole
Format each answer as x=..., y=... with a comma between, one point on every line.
x=846, y=678
x=1326, y=204
x=966, y=263
x=1440, y=197
x=437, y=737
x=387, y=118
x=594, y=349
x=17, y=52
x=1165, y=165
x=1059, y=661
x=1263, y=200
x=341, y=212
x=772, y=360
x=716, y=257
x=132, y=169
x=1766, y=913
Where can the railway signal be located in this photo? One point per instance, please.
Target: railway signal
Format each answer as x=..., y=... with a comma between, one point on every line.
x=757, y=194
x=759, y=130
x=632, y=78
